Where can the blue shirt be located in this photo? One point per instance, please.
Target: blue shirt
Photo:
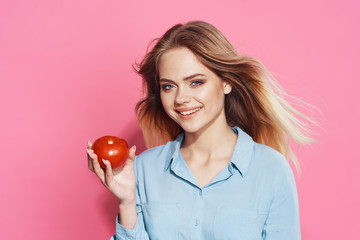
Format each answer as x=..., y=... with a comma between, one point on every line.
x=254, y=197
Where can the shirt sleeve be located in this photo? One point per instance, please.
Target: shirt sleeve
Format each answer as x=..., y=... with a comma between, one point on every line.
x=139, y=231
x=283, y=221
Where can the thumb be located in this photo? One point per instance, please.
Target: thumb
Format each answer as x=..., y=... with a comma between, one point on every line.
x=132, y=151
x=129, y=164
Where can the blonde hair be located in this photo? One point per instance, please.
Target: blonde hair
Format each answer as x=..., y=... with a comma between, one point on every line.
x=256, y=103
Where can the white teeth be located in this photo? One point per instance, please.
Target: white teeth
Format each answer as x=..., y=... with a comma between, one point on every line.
x=190, y=112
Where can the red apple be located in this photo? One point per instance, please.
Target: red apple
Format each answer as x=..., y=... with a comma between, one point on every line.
x=111, y=148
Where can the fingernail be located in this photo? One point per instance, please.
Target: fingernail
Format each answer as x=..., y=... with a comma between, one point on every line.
x=89, y=143
x=91, y=153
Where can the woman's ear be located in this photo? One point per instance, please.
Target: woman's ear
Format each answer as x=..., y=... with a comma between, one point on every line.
x=227, y=87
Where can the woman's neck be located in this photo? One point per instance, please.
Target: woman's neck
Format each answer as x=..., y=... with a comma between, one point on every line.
x=213, y=142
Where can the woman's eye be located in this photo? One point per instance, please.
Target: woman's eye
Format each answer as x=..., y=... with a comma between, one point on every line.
x=196, y=82
x=167, y=86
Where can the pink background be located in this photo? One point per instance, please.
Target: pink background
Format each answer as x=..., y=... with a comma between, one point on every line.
x=66, y=77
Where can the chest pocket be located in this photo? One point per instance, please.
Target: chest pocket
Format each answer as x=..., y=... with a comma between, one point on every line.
x=161, y=220
x=233, y=223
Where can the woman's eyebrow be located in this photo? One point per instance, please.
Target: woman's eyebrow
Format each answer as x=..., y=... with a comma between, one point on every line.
x=185, y=79
x=165, y=80
x=194, y=76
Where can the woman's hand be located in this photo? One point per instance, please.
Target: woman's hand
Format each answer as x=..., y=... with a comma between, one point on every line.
x=120, y=181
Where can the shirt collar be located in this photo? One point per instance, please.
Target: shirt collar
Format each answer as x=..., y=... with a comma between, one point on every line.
x=174, y=151
x=240, y=159
x=243, y=151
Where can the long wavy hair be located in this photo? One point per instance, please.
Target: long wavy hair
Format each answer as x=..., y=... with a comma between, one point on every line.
x=256, y=102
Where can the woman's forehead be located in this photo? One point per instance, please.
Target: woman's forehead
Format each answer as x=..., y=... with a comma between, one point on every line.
x=180, y=63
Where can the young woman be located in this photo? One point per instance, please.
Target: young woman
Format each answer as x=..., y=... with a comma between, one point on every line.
x=219, y=127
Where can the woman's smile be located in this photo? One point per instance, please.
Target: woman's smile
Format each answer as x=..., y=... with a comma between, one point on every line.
x=188, y=114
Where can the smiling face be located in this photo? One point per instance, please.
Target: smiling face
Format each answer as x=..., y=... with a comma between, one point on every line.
x=191, y=94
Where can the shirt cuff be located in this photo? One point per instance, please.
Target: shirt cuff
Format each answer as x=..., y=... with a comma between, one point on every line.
x=125, y=233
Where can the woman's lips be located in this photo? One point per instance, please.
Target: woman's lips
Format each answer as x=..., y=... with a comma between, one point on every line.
x=187, y=113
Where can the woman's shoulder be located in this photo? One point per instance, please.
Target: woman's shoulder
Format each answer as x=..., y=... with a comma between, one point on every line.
x=262, y=150
x=157, y=155
x=158, y=150
x=263, y=158
x=270, y=161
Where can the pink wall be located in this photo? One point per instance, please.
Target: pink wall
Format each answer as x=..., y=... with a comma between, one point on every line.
x=66, y=77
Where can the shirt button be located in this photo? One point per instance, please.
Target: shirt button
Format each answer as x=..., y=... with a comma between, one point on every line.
x=197, y=222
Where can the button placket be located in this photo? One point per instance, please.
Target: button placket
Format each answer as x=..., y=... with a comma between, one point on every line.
x=197, y=214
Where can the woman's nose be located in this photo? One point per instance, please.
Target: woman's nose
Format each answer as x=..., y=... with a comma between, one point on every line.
x=182, y=97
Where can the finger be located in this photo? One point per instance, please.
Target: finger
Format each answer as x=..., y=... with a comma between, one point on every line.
x=108, y=173
x=89, y=145
x=97, y=168
x=90, y=164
